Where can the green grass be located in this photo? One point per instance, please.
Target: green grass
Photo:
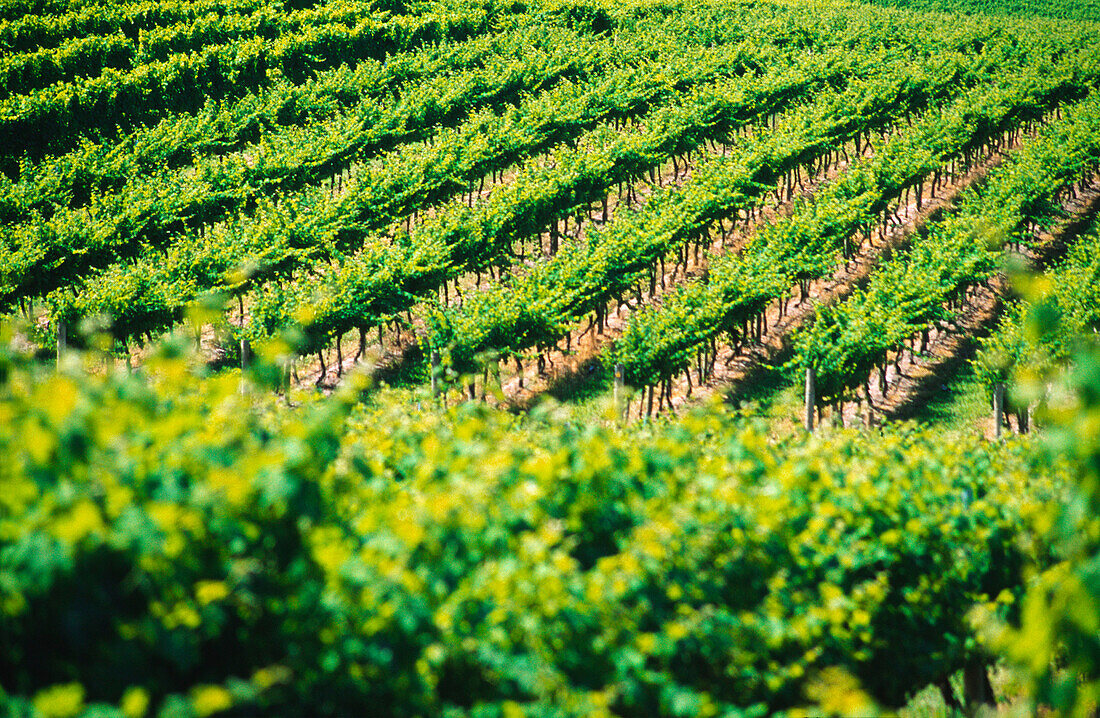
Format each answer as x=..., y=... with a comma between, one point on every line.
x=928, y=704
x=960, y=405
x=1007, y=687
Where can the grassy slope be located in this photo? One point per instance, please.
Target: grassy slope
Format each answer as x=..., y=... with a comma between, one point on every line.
x=961, y=405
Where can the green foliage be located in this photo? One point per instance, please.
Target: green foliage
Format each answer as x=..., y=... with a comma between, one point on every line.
x=54, y=118
x=193, y=549
x=228, y=197
x=25, y=27
x=1060, y=311
x=1060, y=9
x=1055, y=643
x=180, y=543
x=172, y=210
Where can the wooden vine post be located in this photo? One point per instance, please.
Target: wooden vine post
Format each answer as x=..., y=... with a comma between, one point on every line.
x=62, y=339
x=246, y=348
x=618, y=392
x=435, y=372
x=998, y=407
x=811, y=398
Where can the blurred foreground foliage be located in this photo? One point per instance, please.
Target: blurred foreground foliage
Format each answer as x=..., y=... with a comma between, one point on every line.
x=1057, y=642
x=171, y=545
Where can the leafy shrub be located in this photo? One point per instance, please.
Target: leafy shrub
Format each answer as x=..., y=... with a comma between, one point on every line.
x=172, y=546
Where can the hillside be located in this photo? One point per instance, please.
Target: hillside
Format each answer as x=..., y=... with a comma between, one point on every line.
x=733, y=357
